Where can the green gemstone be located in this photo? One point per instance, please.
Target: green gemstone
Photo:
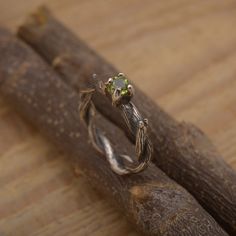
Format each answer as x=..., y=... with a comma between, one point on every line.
x=119, y=82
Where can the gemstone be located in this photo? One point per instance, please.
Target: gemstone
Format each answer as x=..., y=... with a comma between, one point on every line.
x=119, y=82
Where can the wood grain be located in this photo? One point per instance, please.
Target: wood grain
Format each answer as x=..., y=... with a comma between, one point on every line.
x=154, y=204
x=186, y=49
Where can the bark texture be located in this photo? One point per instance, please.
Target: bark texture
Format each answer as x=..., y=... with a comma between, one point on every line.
x=155, y=204
x=182, y=151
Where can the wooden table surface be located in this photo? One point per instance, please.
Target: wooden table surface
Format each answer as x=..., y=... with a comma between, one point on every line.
x=180, y=52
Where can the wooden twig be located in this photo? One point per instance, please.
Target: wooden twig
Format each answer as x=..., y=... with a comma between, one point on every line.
x=155, y=204
x=181, y=150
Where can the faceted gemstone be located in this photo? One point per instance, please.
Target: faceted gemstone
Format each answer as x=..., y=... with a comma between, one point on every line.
x=119, y=82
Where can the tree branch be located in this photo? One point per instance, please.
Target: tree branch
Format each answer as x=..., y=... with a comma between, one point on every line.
x=155, y=204
x=182, y=151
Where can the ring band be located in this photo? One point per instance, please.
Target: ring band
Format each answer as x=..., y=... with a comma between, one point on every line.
x=120, y=92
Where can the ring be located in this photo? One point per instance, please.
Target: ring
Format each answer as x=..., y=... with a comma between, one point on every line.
x=119, y=91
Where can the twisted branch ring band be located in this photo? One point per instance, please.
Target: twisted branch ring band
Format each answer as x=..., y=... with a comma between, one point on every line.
x=120, y=92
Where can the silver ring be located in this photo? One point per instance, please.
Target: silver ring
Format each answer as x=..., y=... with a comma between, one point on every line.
x=120, y=92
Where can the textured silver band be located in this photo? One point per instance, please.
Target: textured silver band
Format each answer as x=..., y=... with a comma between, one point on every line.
x=137, y=126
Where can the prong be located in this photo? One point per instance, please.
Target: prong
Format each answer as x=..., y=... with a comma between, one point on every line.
x=131, y=89
x=121, y=74
x=109, y=81
x=116, y=96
